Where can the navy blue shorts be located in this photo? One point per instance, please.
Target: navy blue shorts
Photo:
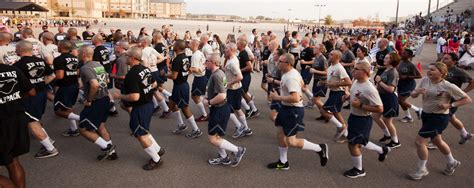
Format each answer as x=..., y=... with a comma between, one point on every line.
x=35, y=106
x=159, y=78
x=199, y=86
x=405, y=87
x=108, y=69
x=218, y=118
x=453, y=111
x=390, y=105
x=66, y=97
x=275, y=105
x=319, y=91
x=156, y=75
x=14, y=137
x=359, y=129
x=234, y=98
x=433, y=124
x=140, y=119
x=246, y=82
x=291, y=119
x=94, y=115
x=180, y=95
x=334, y=102
x=307, y=76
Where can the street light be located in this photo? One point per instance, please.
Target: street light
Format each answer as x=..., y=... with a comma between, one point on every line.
x=396, y=15
x=319, y=17
x=288, y=23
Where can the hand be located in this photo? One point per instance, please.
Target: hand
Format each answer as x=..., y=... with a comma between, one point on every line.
x=269, y=79
x=330, y=84
x=308, y=67
x=321, y=83
x=420, y=91
x=87, y=103
x=273, y=95
x=378, y=78
x=205, y=101
x=445, y=106
x=355, y=102
x=116, y=96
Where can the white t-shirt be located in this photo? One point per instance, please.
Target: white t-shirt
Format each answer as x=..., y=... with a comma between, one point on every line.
x=39, y=50
x=437, y=94
x=367, y=95
x=150, y=58
x=232, y=69
x=53, y=50
x=441, y=42
x=197, y=61
x=292, y=82
x=8, y=55
x=335, y=74
x=206, y=50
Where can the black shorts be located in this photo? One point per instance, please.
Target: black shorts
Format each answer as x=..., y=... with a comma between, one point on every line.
x=180, y=95
x=199, y=85
x=291, y=119
x=94, y=115
x=246, y=82
x=140, y=119
x=319, y=91
x=359, y=129
x=405, y=87
x=334, y=102
x=218, y=119
x=35, y=106
x=66, y=97
x=453, y=111
x=307, y=76
x=14, y=138
x=275, y=105
x=433, y=124
x=234, y=98
x=390, y=104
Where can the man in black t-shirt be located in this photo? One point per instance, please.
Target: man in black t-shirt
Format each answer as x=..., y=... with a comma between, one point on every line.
x=380, y=56
x=246, y=68
x=138, y=89
x=101, y=55
x=67, y=86
x=179, y=99
x=39, y=74
x=306, y=61
x=265, y=55
x=13, y=122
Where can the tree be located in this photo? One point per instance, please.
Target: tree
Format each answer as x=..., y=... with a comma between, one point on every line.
x=328, y=20
x=260, y=17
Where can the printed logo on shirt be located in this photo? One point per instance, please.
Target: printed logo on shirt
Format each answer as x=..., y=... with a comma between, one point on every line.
x=10, y=58
x=186, y=66
x=101, y=76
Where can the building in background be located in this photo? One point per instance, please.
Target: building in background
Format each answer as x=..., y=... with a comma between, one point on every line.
x=167, y=9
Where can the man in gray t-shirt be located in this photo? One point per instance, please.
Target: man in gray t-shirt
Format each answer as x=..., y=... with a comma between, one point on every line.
x=93, y=72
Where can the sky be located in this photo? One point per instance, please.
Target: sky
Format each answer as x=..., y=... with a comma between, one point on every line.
x=306, y=9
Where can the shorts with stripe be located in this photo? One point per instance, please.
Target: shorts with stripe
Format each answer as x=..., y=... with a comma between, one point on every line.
x=180, y=95
x=66, y=97
x=433, y=124
x=140, y=119
x=334, y=102
x=94, y=115
x=359, y=129
x=390, y=104
x=290, y=119
x=35, y=106
x=218, y=119
x=198, y=87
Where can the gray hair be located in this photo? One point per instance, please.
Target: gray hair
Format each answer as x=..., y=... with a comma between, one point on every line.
x=215, y=58
x=231, y=46
x=145, y=39
x=135, y=52
x=24, y=46
x=123, y=44
x=290, y=59
x=86, y=51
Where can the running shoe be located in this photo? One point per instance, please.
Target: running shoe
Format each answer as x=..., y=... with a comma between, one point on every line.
x=180, y=129
x=465, y=139
x=71, y=133
x=393, y=145
x=151, y=165
x=220, y=161
x=202, y=119
x=407, y=120
x=450, y=168
x=418, y=175
x=323, y=154
x=194, y=134
x=279, y=165
x=42, y=154
x=238, y=156
x=354, y=173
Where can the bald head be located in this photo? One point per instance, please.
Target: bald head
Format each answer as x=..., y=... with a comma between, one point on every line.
x=136, y=55
x=124, y=45
x=204, y=39
x=5, y=38
x=24, y=48
x=86, y=53
x=145, y=41
x=27, y=33
x=97, y=40
x=48, y=38
x=179, y=46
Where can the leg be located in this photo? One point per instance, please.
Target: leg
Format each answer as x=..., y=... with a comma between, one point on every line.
x=37, y=130
x=391, y=128
x=6, y=182
x=16, y=173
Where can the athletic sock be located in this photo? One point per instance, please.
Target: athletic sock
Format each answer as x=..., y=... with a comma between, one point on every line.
x=243, y=121
x=407, y=113
x=155, y=102
x=413, y=107
x=192, y=122
x=228, y=146
x=244, y=104
x=101, y=143
x=283, y=154
x=154, y=143
x=234, y=120
x=178, y=117
x=202, y=108
x=73, y=116
x=311, y=146
x=222, y=152
x=394, y=139
x=374, y=147
x=308, y=94
x=151, y=151
x=335, y=122
x=450, y=158
x=386, y=132
x=163, y=105
x=47, y=144
x=421, y=164
x=357, y=162
x=463, y=131
x=73, y=125
x=252, y=106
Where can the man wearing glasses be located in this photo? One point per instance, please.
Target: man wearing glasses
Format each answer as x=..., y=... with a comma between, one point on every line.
x=17, y=34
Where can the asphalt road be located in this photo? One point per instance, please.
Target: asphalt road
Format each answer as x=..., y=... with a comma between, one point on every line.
x=185, y=161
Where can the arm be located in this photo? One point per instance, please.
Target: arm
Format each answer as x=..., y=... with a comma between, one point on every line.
x=218, y=99
x=48, y=79
x=469, y=87
x=238, y=79
x=386, y=87
x=172, y=75
x=130, y=97
x=343, y=82
x=94, y=87
x=59, y=74
x=465, y=100
x=349, y=64
x=247, y=68
x=292, y=98
x=314, y=71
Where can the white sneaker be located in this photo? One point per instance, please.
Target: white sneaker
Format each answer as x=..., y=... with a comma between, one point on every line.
x=418, y=175
x=450, y=168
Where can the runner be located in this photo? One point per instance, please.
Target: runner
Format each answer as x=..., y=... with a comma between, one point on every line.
x=319, y=71
x=198, y=90
x=408, y=73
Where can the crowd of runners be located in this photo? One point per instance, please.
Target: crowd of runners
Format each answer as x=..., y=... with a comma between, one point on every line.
x=105, y=71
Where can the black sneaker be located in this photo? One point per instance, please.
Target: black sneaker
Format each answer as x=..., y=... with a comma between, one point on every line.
x=220, y=161
x=348, y=106
x=165, y=115
x=106, y=152
x=151, y=165
x=71, y=133
x=279, y=165
x=180, y=129
x=418, y=113
x=248, y=113
x=254, y=114
x=42, y=154
x=384, y=139
x=383, y=156
x=247, y=132
x=354, y=173
x=323, y=154
x=161, y=152
x=113, y=113
x=113, y=156
x=320, y=118
x=393, y=145
x=238, y=156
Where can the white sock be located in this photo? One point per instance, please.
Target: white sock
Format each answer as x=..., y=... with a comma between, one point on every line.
x=47, y=144
x=421, y=164
x=222, y=152
x=450, y=158
x=73, y=116
x=228, y=146
x=178, y=117
x=373, y=147
x=311, y=146
x=346, y=132
x=113, y=106
x=407, y=113
x=243, y=121
x=151, y=151
x=252, y=106
x=413, y=107
x=244, y=104
x=202, y=108
x=394, y=139
x=357, y=162
x=166, y=93
x=192, y=122
x=163, y=105
x=153, y=143
x=155, y=102
x=283, y=154
x=308, y=94
x=234, y=120
x=463, y=131
x=109, y=142
x=386, y=132
x=73, y=125
x=101, y=143
x=335, y=122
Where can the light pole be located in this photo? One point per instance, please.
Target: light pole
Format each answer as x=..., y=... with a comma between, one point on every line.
x=396, y=15
x=288, y=23
x=319, y=17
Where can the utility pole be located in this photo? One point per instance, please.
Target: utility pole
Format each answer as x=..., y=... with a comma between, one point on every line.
x=396, y=15
x=319, y=17
x=429, y=7
x=288, y=23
